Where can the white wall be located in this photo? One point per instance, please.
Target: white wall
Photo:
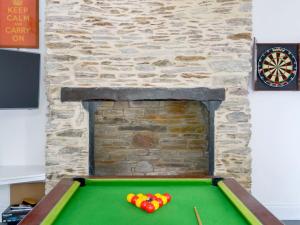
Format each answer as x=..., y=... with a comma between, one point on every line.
x=275, y=119
x=22, y=132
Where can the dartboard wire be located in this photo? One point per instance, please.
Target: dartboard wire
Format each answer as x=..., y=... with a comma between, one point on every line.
x=285, y=70
x=287, y=60
x=269, y=60
x=271, y=71
x=278, y=57
x=272, y=59
x=289, y=63
x=285, y=74
x=277, y=75
x=271, y=74
x=269, y=68
x=281, y=59
x=268, y=63
x=280, y=75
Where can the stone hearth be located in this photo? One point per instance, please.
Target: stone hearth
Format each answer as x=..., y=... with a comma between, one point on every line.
x=166, y=44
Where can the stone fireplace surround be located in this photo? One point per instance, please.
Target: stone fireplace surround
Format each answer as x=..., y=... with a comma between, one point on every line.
x=211, y=98
x=147, y=44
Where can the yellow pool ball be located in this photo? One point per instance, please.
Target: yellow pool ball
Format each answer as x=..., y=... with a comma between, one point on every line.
x=155, y=203
x=140, y=195
x=129, y=197
x=157, y=195
x=164, y=199
x=139, y=202
x=145, y=198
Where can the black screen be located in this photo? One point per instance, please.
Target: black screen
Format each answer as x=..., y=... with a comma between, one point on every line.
x=19, y=79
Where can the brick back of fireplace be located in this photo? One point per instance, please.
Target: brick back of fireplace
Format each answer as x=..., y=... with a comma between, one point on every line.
x=151, y=138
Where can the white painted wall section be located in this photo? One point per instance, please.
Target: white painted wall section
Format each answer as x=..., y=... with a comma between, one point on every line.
x=275, y=119
x=22, y=131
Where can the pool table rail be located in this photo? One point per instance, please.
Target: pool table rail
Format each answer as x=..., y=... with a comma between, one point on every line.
x=43, y=208
x=261, y=212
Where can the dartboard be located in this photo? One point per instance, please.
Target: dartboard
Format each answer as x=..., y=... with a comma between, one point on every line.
x=277, y=67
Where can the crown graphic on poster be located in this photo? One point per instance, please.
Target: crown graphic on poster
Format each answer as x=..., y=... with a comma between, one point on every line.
x=17, y=2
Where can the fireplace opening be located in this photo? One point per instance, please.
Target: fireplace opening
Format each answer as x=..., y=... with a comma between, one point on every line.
x=149, y=131
x=146, y=138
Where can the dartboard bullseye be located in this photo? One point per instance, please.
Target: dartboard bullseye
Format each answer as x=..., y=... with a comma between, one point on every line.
x=277, y=67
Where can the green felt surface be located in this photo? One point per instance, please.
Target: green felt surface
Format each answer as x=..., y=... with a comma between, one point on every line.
x=103, y=202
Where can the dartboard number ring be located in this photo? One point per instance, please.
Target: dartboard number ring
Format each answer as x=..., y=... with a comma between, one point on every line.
x=277, y=67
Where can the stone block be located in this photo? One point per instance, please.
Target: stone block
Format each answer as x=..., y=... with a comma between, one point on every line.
x=143, y=128
x=144, y=140
x=143, y=167
x=238, y=117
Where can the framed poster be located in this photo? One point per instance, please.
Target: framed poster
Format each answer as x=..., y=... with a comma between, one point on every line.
x=19, y=23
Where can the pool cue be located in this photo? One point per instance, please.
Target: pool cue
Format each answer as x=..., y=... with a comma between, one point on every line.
x=197, y=215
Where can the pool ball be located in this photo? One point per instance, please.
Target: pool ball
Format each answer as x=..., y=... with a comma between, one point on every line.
x=168, y=196
x=140, y=195
x=150, y=195
x=157, y=195
x=164, y=199
x=156, y=204
x=160, y=202
x=138, y=202
x=154, y=197
x=129, y=197
x=150, y=208
x=134, y=198
x=145, y=198
x=144, y=204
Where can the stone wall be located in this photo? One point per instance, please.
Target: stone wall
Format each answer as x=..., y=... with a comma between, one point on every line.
x=151, y=138
x=174, y=43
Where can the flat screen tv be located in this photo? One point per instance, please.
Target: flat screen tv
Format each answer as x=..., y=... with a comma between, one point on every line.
x=19, y=79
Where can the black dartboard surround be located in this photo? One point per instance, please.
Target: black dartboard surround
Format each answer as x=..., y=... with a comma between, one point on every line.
x=277, y=67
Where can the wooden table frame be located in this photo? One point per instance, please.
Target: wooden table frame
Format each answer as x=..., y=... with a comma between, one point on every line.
x=39, y=212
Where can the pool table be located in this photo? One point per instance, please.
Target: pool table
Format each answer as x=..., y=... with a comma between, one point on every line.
x=102, y=201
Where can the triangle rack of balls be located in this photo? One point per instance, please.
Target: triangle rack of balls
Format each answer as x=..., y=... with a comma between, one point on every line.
x=149, y=202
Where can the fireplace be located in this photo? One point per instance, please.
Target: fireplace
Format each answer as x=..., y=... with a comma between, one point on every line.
x=91, y=98
x=114, y=53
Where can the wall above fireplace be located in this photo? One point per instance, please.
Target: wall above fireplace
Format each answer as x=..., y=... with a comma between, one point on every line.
x=147, y=44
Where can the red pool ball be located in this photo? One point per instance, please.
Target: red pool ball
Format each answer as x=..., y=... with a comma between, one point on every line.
x=168, y=196
x=150, y=208
x=160, y=201
x=149, y=195
x=144, y=204
x=133, y=200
